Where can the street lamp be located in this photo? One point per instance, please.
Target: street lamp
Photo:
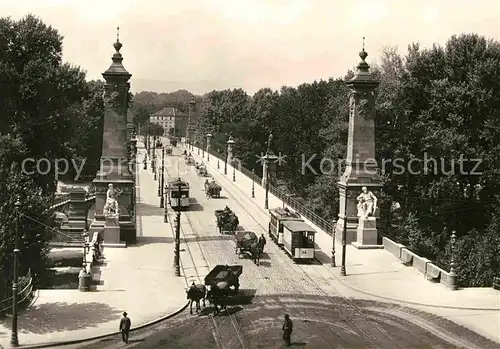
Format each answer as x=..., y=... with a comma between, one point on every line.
x=160, y=192
x=145, y=161
x=253, y=183
x=85, y=236
x=268, y=160
x=208, y=146
x=165, y=212
x=154, y=163
x=234, y=171
x=453, y=274
x=218, y=162
x=14, y=341
x=333, y=244
x=344, y=236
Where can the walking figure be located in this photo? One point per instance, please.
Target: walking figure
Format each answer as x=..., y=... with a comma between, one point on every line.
x=125, y=327
x=287, y=330
x=262, y=242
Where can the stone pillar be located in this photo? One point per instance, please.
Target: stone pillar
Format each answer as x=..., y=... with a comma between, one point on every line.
x=264, y=173
x=361, y=167
x=230, y=156
x=114, y=166
x=77, y=217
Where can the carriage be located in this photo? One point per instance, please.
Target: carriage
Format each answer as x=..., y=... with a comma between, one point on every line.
x=202, y=171
x=159, y=144
x=212, y=189
x=178, y=193
x=173, y=142
x=277, y=217
x=298, y=240
x=225, y=273
x=227, y=221
x=189, y=161
x=246, y=242
x=168, y=150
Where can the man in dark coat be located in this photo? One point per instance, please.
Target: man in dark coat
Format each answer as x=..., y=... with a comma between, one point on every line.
x=262, y=242
x=287, y=329
x=125, y=327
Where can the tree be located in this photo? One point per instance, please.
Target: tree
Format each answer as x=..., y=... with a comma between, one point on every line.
x=35, y=226
x=155, y=129
x=37, y=91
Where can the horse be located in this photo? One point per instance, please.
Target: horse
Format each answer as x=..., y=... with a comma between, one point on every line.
x=256, y=250
x=195, y=293
x=218, y=295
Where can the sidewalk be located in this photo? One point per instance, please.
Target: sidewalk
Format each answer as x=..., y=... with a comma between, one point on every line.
x=377, y=274
x=138, y=279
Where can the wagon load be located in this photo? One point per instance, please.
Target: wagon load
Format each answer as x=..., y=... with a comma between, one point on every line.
x=228, y=274
x=246, y=242
x=227, y=221
x=212, y=189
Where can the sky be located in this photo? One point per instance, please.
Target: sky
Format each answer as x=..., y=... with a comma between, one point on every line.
x=202, y=45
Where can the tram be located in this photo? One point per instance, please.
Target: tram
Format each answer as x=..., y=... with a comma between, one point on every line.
x=178, y=193
x=277, y=217
x=298, y=240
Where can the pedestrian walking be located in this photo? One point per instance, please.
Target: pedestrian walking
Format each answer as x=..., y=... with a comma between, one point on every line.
x=287, y=330
x=262, y=242
x=125, y=327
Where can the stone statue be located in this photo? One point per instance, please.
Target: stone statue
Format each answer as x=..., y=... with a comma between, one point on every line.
x=367, y=203
x=269, y=139
x=111, y=206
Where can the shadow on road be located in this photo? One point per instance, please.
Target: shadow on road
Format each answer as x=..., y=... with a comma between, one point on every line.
x=195, y=207
x=60, y=316
x=210, y=238
x=146, y=240
x=150, y=210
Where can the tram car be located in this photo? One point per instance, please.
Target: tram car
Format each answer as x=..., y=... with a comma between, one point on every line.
x=178, y=193
x=298, y=240
x=277, y=217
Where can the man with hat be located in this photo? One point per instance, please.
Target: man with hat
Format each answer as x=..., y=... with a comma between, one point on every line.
x=287, y=329
x=125, y=327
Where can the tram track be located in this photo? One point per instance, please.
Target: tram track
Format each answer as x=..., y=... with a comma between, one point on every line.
x=220, y=326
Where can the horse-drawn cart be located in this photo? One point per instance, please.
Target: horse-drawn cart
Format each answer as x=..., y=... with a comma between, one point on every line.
x=189, y=161
x=202, y=171
x=227, y=221
x=212, y=189
x=168, y=150
x=246, y=242
x=228, y=274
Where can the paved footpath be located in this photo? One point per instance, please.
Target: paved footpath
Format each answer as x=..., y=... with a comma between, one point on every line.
x=138, y=279
x=376, y=274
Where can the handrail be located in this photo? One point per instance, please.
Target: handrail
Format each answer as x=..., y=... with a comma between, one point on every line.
x=26, y=290
x=282, y=195
x=64, y=199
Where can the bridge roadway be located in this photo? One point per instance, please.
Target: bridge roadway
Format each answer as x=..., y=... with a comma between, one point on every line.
x=323, y=316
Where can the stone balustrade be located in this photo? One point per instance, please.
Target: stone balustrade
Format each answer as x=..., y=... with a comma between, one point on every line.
x=431, y=271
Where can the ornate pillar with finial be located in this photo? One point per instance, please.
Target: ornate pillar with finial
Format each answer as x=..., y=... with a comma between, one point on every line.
x=361, y=167
x=114, y=167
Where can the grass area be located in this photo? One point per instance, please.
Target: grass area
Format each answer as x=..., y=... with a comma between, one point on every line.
x=60, y=281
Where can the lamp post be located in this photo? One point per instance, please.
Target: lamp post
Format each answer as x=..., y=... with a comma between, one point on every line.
x=152, y=157
x=177, y=237
x=165, y=212
x=333, y=244
x=14, y=341
x=85, y=236
x=453, y=274
x=234, y=171
x=344, y=233
x=145, y=161
x=218, y=162
x=253, y=183
x=192, y=104
x=162, y=199
x=154, y=163
x=209, y=136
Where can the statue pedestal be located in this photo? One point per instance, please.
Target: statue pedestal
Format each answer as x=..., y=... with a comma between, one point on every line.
x=111, y=232
x=367, y=234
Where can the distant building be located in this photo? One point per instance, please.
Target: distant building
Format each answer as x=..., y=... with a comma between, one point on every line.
x=172, y=120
